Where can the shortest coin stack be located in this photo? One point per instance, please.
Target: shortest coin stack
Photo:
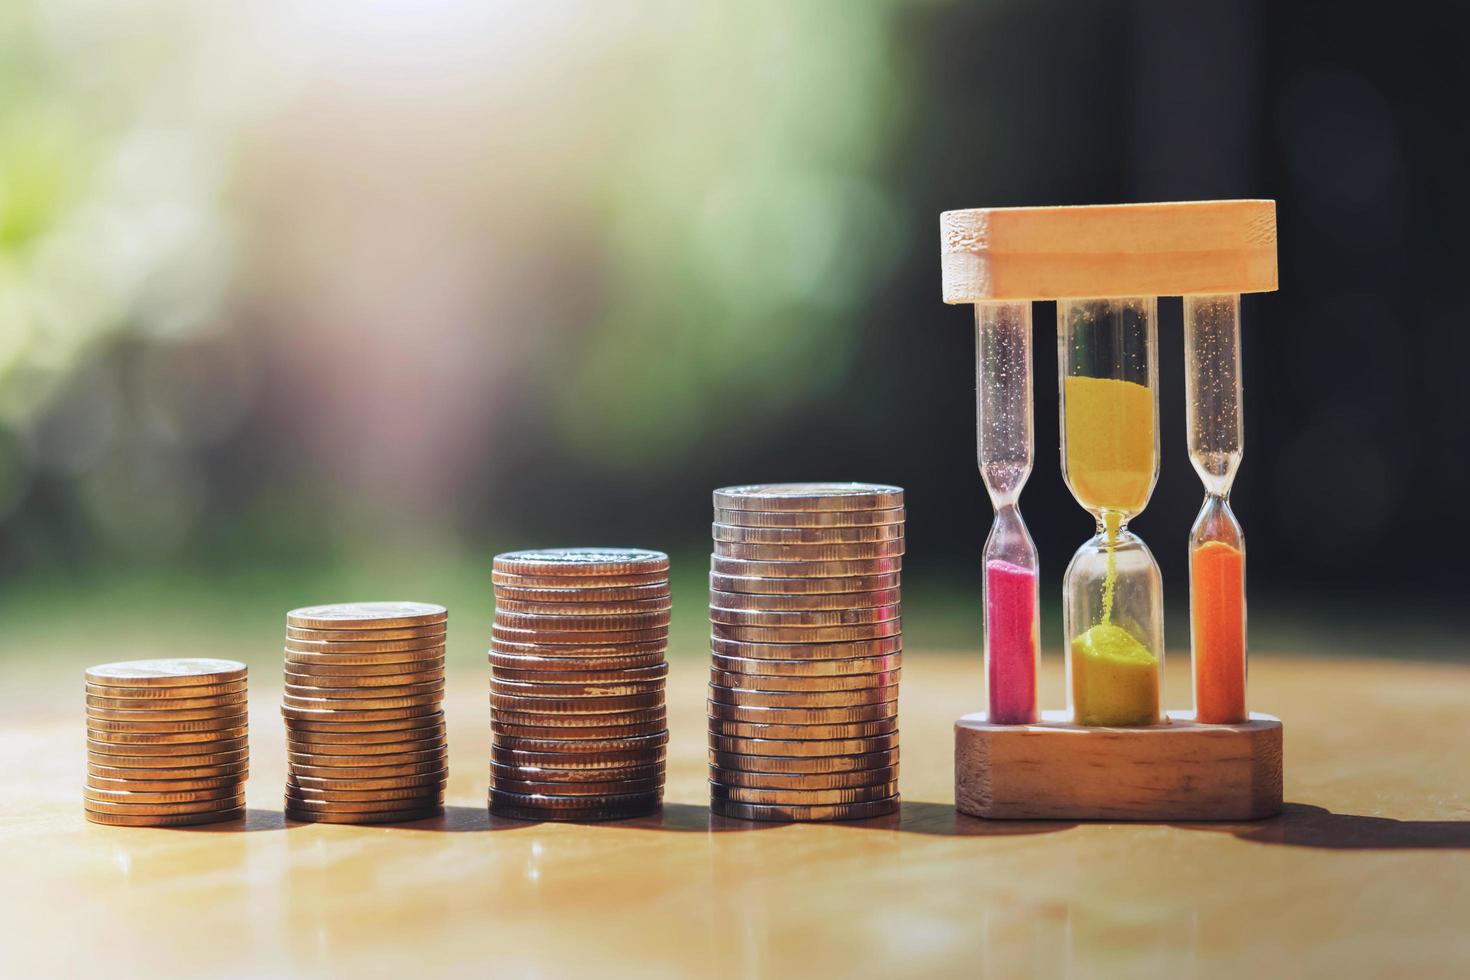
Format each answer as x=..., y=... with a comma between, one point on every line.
x=365, y=737
x=577, y=672
x=166, y=742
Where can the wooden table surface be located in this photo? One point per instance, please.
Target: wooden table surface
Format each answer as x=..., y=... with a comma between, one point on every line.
x=1367, y=874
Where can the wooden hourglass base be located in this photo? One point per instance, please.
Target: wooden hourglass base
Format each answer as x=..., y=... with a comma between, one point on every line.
x=1055, y=770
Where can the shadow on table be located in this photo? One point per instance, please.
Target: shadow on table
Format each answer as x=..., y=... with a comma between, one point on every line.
x=943, y=820
x=1303, y=825
x=254, y=821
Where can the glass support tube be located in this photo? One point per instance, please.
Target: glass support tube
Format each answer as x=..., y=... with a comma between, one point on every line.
x=1216, y=543
x=1006, y=451
x=1113, y=606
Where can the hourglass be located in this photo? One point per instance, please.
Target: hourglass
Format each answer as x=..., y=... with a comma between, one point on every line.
x=1114, y=753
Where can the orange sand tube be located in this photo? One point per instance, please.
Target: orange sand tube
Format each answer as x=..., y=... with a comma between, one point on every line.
x=1217, y=609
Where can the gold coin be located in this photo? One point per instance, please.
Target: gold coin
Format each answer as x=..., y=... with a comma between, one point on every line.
x=795, y=747
x=634, y=758
x=656, y=592
x=809, y=518
x=802, y=797
x=561, y=607
x=804, y=603
x=171, y=694
x=809, y=497
x=577, y=562
x=221, y=750
x=186, y=672
x=842, y=650
x=427, y=688
x=164, y=820
x=334, y=682
x=502, y=659
x=423, y=793
x=779, y=682
x=804, y=780
x=629, y=581
x=745, y=762
x=511, y=811
x=196, y=738
x=735, y=534
x=574, y=638
x=810, y=552
x=357, y=715
x=367, y=615
x=807, y=634
x=303, y=805
x=162, y=706
x=801, y=699
x=418, y=783
x=804, y=618
x=634, y=743
x=365, y=673
x=857, y=729
x=803, y=716
x=331, y=723
x=579, y=623
x=804, y=569
x=231, y=713
x=837, y=811
x=437, y=757
x=103, y=784
x=430, y=646
x=605, y=689
x=435, y=631
x=237, y=718
x=92, y=794
x=162, y=809
x=791, y=585
x=607, y=719
x=562, y=802
x=188, y=777
x=517, y=770
x=401, y=659
x=582, y=732
x=370, y=751
x=854, y=667
x=512, y=675
x=396, y=816
x=365, y=739
x=290, y=700
x=366, y=772
x=576, y=705
x=532, y=788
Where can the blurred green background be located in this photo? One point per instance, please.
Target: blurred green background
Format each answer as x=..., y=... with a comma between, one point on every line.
x=311, y=302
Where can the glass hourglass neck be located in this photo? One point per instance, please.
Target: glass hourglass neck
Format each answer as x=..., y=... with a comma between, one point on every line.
x=1003, y=410
x=1212, y=389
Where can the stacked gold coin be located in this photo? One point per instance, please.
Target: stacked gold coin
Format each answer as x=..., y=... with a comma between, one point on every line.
x=806, y=645
x=364, y=712
x=577, y=672
x=166, y=742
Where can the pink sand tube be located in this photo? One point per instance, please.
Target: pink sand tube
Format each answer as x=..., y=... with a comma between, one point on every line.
x=1011, y=643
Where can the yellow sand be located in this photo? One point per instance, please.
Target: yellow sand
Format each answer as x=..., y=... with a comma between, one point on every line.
x=1115, y=680
x=1110, y=443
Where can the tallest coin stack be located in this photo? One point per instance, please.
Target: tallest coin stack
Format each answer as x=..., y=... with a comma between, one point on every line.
x=806, y=643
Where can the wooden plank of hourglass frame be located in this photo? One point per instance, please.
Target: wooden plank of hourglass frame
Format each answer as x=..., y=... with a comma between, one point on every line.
x=1055, y=770
x=1095, y=251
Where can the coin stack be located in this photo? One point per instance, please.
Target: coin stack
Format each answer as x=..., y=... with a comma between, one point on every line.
x=806, y=645
x=166, y=742
x=577, y=672
x=364, y=712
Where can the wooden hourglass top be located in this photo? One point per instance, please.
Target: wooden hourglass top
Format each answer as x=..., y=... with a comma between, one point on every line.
x=1096, y=251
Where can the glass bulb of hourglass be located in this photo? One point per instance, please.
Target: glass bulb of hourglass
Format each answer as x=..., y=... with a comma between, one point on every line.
x=1113, y=590
x=1004, y=448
